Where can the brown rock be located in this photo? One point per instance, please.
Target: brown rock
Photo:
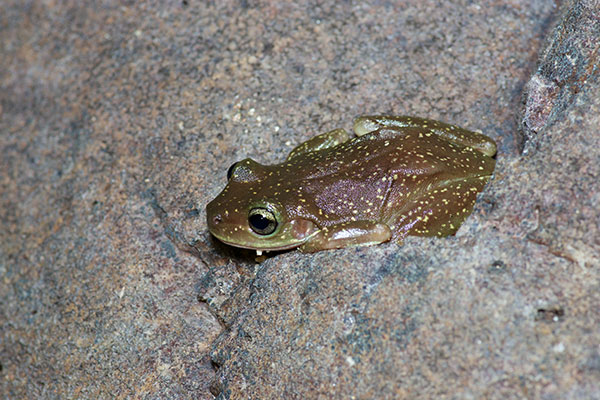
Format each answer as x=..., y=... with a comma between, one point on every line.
x=118, y=124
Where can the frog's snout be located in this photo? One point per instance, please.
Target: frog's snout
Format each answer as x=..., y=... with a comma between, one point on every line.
x=213, y=215
x=216, y=220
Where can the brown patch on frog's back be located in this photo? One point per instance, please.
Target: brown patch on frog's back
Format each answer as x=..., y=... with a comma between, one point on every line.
x=357, y=179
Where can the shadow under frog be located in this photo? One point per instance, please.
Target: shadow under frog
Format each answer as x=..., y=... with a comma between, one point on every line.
x=399, y=176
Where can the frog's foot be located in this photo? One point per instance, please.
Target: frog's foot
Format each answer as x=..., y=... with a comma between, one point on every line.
x=320, y=142
x=366, y=124
x=439, y=212
x=452, y=133
x=348, y=234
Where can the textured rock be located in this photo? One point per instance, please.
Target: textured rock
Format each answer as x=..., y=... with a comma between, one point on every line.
x=118, y=124
x=567, y=64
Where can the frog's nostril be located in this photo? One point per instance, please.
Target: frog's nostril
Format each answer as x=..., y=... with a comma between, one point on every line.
x=217, y=219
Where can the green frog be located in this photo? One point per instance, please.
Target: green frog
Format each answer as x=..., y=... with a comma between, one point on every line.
x=398, y=176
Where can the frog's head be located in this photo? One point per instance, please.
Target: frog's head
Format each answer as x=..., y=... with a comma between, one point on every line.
x=248, y=214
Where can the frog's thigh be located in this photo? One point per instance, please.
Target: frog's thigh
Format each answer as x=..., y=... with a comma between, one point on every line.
x=320, y=142
x=439, y=212
x=356, y=233
x=452, y=133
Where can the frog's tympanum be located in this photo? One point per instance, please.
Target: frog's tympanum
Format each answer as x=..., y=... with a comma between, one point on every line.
x=400, y=176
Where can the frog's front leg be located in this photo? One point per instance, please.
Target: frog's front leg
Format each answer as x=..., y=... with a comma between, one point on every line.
x=320, y=142
x=451, y=133
x=347, y=234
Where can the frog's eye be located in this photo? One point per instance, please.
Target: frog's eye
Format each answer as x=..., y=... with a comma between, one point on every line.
x=262, y=221
x=230, y=170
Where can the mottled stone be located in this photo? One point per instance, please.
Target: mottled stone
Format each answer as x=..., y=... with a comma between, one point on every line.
x=118, y=122
x=569, y=61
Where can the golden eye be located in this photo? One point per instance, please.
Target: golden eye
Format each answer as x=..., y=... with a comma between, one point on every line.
x=262, y=221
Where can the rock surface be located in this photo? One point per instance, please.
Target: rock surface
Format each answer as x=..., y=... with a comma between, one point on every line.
x=118, y=123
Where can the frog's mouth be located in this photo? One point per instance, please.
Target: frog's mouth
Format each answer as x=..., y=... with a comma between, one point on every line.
x=261, y=248
x=295, y=234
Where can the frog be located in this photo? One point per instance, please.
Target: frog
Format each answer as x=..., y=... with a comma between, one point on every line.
x=397, y=176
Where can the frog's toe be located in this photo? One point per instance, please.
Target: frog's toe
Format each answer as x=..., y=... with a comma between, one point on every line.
x=364, y=125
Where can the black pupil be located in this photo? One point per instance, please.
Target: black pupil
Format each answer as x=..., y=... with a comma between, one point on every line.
x=262, y=221
x=230, y=170
x=259, y=221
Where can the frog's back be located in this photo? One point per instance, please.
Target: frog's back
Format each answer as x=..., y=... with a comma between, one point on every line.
x=413, y=180
x=389, y=150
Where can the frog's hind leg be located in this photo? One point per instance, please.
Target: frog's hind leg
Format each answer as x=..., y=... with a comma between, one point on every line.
x=452, y=133
x=438, y=212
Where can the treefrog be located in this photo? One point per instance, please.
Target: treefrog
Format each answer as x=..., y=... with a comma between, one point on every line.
x=399, y=176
